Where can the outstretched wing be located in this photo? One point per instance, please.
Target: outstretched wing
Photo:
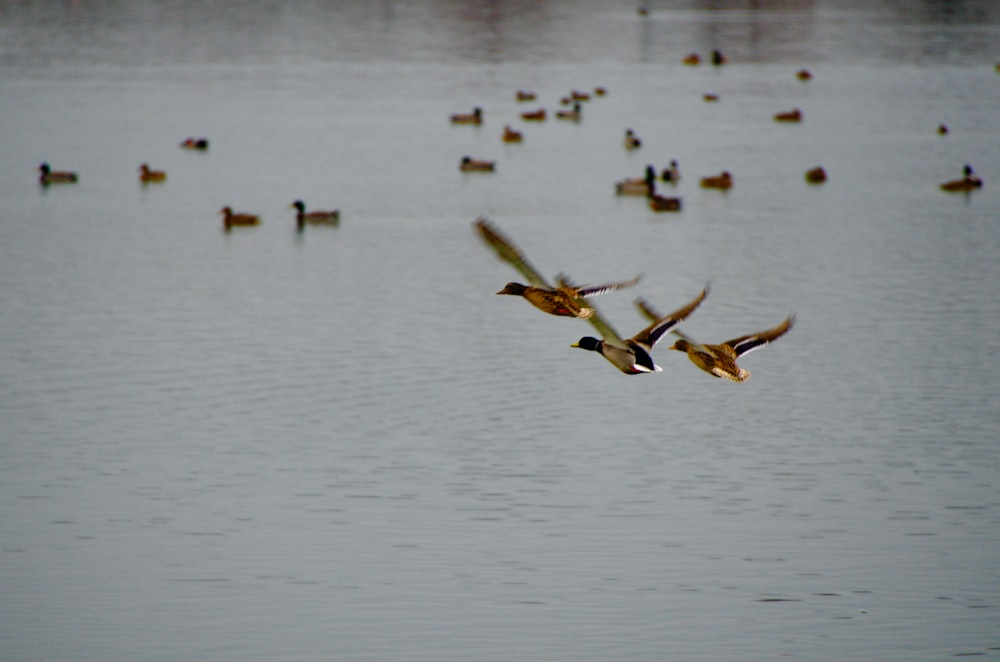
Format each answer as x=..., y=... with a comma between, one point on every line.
x=745, y=344
x=605, y=330
x=660, y=325
x=507, y=251
x=588, y=291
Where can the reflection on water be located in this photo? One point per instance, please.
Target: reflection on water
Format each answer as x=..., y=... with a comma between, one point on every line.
x=341, y=433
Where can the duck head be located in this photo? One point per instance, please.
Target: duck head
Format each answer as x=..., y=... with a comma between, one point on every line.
x=517, y=289
x=589, y=343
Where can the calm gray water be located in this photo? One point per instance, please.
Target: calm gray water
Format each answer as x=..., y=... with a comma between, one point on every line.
x=340, y=445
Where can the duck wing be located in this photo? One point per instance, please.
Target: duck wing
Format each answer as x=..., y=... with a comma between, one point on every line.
x=748, y=343
x=588, y=291
x=661, y=324
x=508, y=252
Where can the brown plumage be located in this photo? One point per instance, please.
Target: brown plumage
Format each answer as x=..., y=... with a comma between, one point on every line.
x=816, y=175
x=512, y=136
x=146, y=175
x=229, y=219
x=794, y=115
x=47, y=175
x=534, y=115
x=723, y=181
x=475, y=117
x=967, y=183
x=720, y=360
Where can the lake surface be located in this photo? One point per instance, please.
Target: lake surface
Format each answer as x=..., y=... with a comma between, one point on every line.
x=340, y=445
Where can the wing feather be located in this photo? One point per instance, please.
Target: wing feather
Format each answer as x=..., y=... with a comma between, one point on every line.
x=748, y=343
x=508, y=252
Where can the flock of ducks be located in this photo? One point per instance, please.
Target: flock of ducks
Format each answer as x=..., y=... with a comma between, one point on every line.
x=230, y=219
x=632, y=355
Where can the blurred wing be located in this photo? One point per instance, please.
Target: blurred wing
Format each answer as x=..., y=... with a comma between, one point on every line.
x=745, y=344
x=593, y=290
x=605, y=330
x=508, y=252
x=652, y=333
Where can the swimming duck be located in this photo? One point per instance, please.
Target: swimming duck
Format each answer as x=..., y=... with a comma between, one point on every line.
x=47, y=175
x=318, y=217
x=803, y=74
x=576, y=95
x=722, y=181
x=524, y=95
x=146, y=175
x=563, y=301
x=195, y=143
x=631, y=140
x=816, y=175
x=793, y=115
x=470, y=164
x=720, y=360
x=664, y=203
x=691, y=59
x=671, y=173
x=600, y=91
x=632, y=355
x=718, y=57
x=229, y=219
x=511, y=136
x=534, y=115
x=967, y=183
x=710, y=97
x=638, y=185
x=475, y=117
x=942, y=129
x=572, y=115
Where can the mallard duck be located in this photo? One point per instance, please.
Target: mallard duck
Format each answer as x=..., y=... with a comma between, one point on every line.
x=816, y=175
x=672, y=173
x=718, y=57
x=475, y=117
x=146, y=175
x=720, y=360
x=572, y=115
x=793, y=115
x=967, y=183
x=195, y=143
x=511, y=136
x=723, y=180
x=692, y=59
x=710, y=97
x=534, y=115
x=632, y=355
x=942, y=129
x=229, y=219
x=470, y=164
x=632, y=141
x=803, y=74
x=563, y=301
x=318, y=217
x=47, y=175
x=577, y=95
x=638, y=185
x=524, y=95
x=600, y=91
x=664, y=203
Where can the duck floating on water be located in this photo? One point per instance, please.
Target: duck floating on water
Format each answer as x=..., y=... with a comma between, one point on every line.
x=470, y=164
x=47, y=175
x=147, y=176
x=724, y=181
x=230, y=219
x=315, y=217
x=475, y=117
x=195, y=143
x=969, y=182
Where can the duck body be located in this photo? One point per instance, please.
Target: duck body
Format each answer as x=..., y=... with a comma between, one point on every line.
x=638, y=185
x=710, y=97
x=470, y=164
x=572, y=115
x=816, y=175
x=664, y=203
x=632, y=356
x=692, y=59
x=195, y=143
x=969, y=182
x=720, y=360
x=230, y=219
x=803, y=74
x=46, y=176
x=672, y=173
x=147, y=176
x=475, y=117
x=724, y=181
x=316, y=217
x=534, y=115
x=793, y=115
x=632, y=141
x=512, y=136
x=524, y=95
